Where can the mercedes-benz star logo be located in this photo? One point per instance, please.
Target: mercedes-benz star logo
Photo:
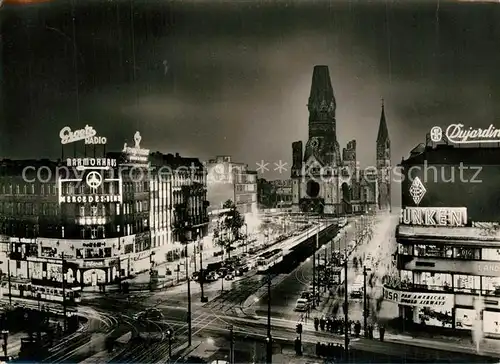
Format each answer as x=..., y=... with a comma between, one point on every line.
x=94, y=180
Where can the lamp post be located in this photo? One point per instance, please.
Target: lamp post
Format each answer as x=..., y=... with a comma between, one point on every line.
x=314, y=270
x=64, y=292
x=231, y=349
x=346, y=302
x=245, y=246
x=201, y=275
x=269, y=349
x=365, y=308
x=169, y=334
x=188, y=293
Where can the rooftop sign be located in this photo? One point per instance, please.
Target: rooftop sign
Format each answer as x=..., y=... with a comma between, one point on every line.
x=459, y=134
x=434, y=216
x=87, y=134
x=136, y=154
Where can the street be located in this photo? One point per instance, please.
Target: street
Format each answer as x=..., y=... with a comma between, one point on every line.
x=242, y=304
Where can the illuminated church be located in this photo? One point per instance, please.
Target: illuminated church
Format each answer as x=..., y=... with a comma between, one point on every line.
x=323, y=179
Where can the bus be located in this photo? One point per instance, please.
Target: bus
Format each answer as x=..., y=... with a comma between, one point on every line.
x=47, y=293
x=269, y=259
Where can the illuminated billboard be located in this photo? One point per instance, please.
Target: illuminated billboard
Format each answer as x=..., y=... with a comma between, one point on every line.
x=136, y=155
x=94, y=188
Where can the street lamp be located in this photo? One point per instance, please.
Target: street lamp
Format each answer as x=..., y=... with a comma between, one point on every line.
x=169, y=335
x=365, y=299
x=245, y=245
x=269, y=351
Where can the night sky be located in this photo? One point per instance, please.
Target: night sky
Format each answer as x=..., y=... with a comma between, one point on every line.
x=239, y=75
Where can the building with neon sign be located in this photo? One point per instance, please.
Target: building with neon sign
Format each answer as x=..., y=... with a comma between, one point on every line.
x=107, y=215
x=448, y=255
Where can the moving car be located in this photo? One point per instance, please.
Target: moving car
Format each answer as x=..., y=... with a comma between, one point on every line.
x=302, y=304
x=149, y=314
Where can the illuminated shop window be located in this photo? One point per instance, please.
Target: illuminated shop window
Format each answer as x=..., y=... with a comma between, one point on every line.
x=491, y=254
x=466, y=283
x=466, y=253
x=433, y=281
x=491, y=286
x=438, y=251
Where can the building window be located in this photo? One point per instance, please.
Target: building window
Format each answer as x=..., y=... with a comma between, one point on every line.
x=467, y=253
x=118, y=209
x=82, y=233
x=42, y=189
x=82, y=211
x=466, y=283
x=438, y=251
x=491, y=286
x=93, y=233
x=491, y=254
x=93, y=210
x=18, y=264
x=17, y=189
x=405, y=249
x=433, y=281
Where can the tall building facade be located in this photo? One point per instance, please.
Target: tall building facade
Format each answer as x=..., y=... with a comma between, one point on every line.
x=228, y=180
x=323, y=179
x=448, y=255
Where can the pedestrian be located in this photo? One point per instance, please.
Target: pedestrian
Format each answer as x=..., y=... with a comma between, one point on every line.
x=316, y=323
x=357, y=328
x=382, y=332
x=322, y=323
x=318, y=349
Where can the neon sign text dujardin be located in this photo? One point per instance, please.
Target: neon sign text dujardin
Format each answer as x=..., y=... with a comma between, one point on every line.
x=459, y=134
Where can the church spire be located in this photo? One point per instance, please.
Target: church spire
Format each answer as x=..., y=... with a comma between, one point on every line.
x=383, y=133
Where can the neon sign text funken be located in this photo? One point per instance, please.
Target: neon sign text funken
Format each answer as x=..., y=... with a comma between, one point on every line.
x=434, y=216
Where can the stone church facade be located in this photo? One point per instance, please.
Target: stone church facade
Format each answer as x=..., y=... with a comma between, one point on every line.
x=326, y=181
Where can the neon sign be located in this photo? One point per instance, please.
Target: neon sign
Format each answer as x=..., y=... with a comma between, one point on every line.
x=87, y=134
x=136, y=154
x=434, y=216
x=91, y=163
x=459, y=134
x=72, y=190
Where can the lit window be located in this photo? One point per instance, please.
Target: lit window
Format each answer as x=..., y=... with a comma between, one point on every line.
x=93, y=210
x=93, y=233
x=82, y=210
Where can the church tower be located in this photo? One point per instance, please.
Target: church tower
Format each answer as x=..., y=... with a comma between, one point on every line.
x=315, y=173
x=383, y=164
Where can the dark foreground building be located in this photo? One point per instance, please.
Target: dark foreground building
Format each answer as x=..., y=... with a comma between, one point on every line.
x=448, y=255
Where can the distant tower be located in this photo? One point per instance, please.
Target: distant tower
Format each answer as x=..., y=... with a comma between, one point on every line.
x=384, y=164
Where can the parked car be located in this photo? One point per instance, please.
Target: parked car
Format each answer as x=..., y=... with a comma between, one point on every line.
x=229, y=277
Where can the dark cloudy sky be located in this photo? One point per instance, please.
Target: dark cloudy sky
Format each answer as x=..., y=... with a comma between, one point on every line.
x=239, y=74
